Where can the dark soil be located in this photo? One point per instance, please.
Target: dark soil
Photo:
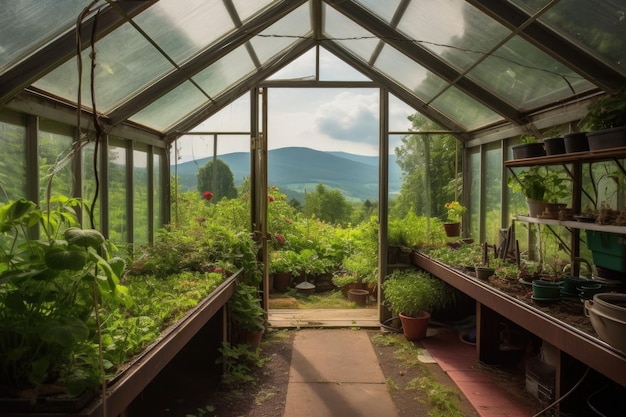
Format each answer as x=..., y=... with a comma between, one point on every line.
x=188, y=390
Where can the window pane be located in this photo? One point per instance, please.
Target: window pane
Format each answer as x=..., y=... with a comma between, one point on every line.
x=474, y=199
x=453, y=30
x=26, y=25
x=157, y=196
x=171, y=107
x=464, y=110
x=55, y=160
x=13, y=160
x=384, y=9
x=597, y=26
x=140, y=195
x=334, y=69
x=348, y=34
x=118, y=232
x=302, y=67
x=415, y=78
x=247, y=8
x=183, y=31
x=493, y=188
x=224, y=73
x=120, y=72
x=290, y=28
x=527, y=77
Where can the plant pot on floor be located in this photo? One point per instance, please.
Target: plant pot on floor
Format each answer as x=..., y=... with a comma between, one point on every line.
x=452, y=229
x=282, y=281
x=415, y=328
x=358, y=296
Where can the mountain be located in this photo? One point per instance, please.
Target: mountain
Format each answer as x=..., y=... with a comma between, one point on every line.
x=296, y=170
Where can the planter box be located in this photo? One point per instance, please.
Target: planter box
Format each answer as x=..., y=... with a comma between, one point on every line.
x=608, y=249
x=607, y=139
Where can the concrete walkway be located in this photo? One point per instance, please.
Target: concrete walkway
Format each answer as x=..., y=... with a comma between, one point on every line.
x=335, y=372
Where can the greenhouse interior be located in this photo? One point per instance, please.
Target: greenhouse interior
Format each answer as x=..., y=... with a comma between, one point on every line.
x=183, y=168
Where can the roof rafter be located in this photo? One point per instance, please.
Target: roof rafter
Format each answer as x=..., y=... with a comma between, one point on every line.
x=553, y=44
x=62, y=49
x=422, y=56
x=239, y=37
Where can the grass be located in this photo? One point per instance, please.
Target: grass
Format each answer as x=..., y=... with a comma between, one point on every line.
x=292, y=299
x=441, y=399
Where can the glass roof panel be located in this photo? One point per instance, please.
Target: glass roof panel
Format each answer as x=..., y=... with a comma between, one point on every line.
x=464, y=110
x=183, y=31
x=247, y=9
x=225, y=72
x=527, y=77
x=120, y=72
x=454, y=30
x=348, y=34
x=597, y=26
x=384, y=9
x=334, y=69
x=415, y=78
x=171, y=107
x=26, y=25
x=300, y=68
x=282, y=34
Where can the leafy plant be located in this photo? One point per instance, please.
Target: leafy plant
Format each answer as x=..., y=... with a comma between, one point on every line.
x=247, y=313
x=607, y=112
x=240, y=362
x=410, y=292
x=455, y=211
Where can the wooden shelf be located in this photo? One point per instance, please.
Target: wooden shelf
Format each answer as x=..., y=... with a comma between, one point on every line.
x=575, y=224
x=592, y=156
x=583, y=347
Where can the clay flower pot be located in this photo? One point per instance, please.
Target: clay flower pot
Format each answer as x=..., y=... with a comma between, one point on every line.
x=452, y=229
x=415, y=328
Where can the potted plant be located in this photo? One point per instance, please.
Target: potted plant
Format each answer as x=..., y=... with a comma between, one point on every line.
x=414, y=295
x=455, y=212
x=529, y=147
x=605, y=122
x=248, y=317
x=531, y=183
x=283, y=265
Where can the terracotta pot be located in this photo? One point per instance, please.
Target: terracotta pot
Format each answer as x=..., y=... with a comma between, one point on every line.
x=358, y=296
x=415, y=328
x=452, y=229
x=535, y=207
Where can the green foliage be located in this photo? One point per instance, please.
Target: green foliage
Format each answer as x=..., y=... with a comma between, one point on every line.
x=411, y=292
x=240, y=362
x=541, y=183
x=247, y=313
x=606, y=113
x=50, y=290
x=222, y=186
x=328, y=205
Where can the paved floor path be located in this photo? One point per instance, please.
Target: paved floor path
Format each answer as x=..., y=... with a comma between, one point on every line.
x=335, y=372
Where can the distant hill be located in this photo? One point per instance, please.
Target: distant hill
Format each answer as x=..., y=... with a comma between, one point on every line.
x=295, y=170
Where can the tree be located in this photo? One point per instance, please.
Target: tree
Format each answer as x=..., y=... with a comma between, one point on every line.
x=328, y=205
x=223, y=186
x=427, y=163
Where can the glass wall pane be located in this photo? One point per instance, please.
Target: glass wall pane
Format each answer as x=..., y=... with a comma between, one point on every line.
x=474, y=192
x=334, y=69
x=233, y=118
x=13, y=156
x=454, y=30
x=464, y=110
x=302, y=67
x=120, y=71
x=55, y=160
x=414, y=77
x=26, y=25
x=247, y=9
x=141, y=220
x=118, y=232
x=183, y=31
x=89, y=186
x=492, y=188
x=527, y=77
x=158, y=196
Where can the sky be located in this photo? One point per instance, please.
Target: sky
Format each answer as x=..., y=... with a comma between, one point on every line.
x=322, y=119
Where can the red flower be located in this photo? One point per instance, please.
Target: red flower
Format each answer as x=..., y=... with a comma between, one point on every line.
x=280, y=238
x=218, y=270
x=271, y=198
x=207, y=195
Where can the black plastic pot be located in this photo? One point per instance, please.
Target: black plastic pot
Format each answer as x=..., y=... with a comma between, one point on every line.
x=607, y=138
x=576, y=142
x=554, y=146
x=528, y=150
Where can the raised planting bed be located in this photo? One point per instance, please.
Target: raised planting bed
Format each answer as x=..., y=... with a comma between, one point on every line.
x=131, y=377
